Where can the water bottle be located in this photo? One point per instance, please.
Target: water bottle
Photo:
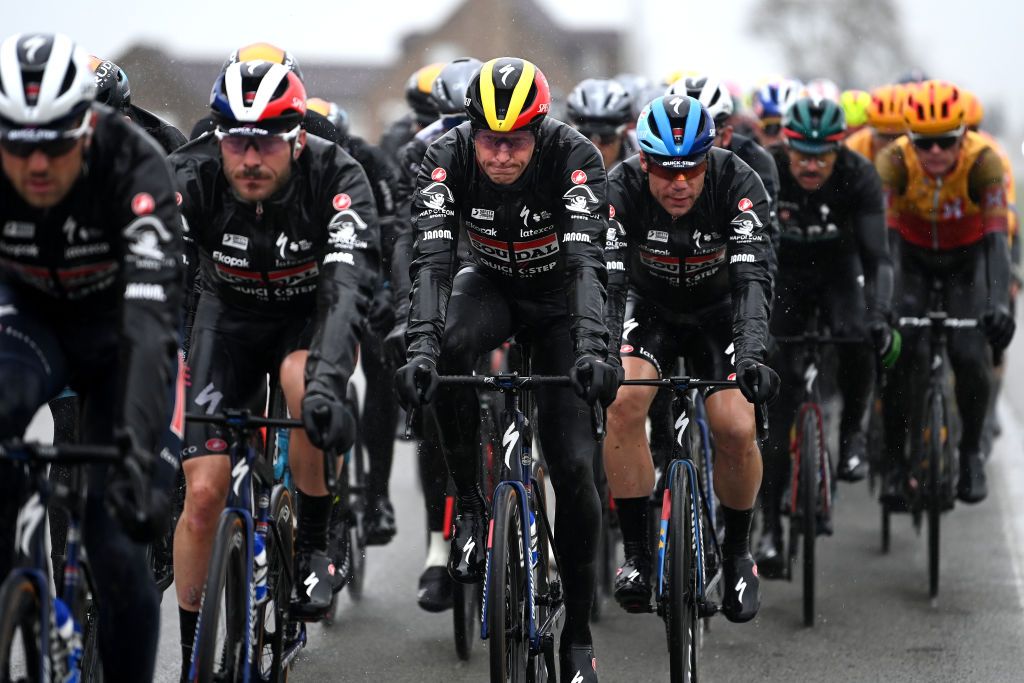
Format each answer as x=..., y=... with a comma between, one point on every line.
x=259, y=547
x=67, y=644
x=534, y=555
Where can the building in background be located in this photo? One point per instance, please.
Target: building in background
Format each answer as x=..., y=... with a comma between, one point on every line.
x=178, y=88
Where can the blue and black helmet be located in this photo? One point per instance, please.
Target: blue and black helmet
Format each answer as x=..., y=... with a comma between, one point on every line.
x=675, y=131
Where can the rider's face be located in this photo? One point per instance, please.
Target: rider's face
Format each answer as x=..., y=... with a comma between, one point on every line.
x=811, y=170
x=43, y=180
x=938, y=154
x=676, y=190
x=504, y=156
x=258, y=171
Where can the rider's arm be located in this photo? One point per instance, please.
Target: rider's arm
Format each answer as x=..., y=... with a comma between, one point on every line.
x=348, y=274
x=751, y=261
x=144, y=208
x=435, y=226
x=987, y=187
x=872, y=242
x=622, y=216
x=582, y=227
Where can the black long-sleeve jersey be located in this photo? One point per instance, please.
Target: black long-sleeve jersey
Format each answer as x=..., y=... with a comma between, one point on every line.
x=112, y=244
x=720, y=250
x=541, y=234
x=844, y=219
x=311, y=248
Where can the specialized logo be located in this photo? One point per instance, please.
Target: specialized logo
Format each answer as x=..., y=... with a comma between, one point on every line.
x=210, y=398
x=628, y=327
x=741, y=586
x=29, y=518
x=525, y=215
x=578, y=177
x=578, y=678
x=235, y=241
x=505, y=72
x=580, y=199
x=674, y=103
x=810, y=374
x=143, y=204
x=437, y=195
x=482, y=214
x=438, y=175
x=32, y=46
x=341, y=201
x=310, y=582
x=238, y=475
x=745, y=204
x=509, y=441
x=680, y=426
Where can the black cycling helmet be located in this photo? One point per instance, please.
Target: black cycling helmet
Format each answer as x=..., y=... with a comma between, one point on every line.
x=449, y=88
x=599, y=106
x=418, y=93
x=112, y=87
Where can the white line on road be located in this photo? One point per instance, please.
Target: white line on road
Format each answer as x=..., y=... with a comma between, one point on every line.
x=1010, y=481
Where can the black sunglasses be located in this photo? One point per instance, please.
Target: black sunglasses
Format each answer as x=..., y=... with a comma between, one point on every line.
x=945, y=142
x=52, y=145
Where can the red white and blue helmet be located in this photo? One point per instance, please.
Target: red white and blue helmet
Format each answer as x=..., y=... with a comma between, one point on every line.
x=258, y=95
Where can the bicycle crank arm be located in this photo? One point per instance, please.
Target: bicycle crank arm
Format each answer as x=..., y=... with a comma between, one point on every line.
x=293, y=647
x=707, y=608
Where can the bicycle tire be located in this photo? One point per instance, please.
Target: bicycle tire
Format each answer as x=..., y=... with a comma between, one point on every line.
x=546, y=574
x=87, y=614
x=810, y=459
x=269, y=646
x=506, y=595
x=19, y=613
x=936, y=427
x=681, y=613
x=465, y=617
x=356, y=501
x=226, y=592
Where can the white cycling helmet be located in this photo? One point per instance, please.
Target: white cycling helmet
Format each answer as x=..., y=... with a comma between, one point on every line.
x=710, y=92
x=45, y=83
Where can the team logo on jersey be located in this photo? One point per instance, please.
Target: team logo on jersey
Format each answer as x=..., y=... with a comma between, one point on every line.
x=488, y=247
x=578, y=177
x=19, y=230
x=341, y=201
x=143, y=203
x=745, y=204
x=611, y=211
x=580, y=199
x=436, y=196
x=657, y=235
x=482, y=214
x=745, y=223
x=438, y=175
x=235, y=241
x=177, y=198
x=536, y=249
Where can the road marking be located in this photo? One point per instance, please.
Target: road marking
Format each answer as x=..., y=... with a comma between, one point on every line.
x=1012, y=436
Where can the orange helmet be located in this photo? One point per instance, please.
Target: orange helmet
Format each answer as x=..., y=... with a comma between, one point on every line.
x=933, y=108
x=886, y=112
x=973, y=111
x=265, y=52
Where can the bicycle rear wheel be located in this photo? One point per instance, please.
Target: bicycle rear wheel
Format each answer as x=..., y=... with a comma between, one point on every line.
x=355, y=474
x=506, y=594
x=935, y=439
x=272, y=613
x=220, y=653
x=20, y=629
x=87, y=614
x=681, y=613
x=810, y=459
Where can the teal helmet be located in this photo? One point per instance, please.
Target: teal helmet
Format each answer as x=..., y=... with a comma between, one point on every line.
x=814, y=125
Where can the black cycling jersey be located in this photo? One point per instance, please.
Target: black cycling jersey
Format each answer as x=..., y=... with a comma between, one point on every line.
x=311, y=248
x=843, y=221
x=397, y=134
x=541, y=234
x=720, y=250
x=166, y=135
x=757, y=158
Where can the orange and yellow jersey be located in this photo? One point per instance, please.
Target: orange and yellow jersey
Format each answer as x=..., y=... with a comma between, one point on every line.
x=953, y=211
x=860, y=142
x=1011, y=184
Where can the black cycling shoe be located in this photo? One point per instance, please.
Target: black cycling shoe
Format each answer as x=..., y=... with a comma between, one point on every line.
x=770, y=556
x=435, y=592
x=742, y=597
x=380, y=522
x=853, y=463
x=578, y=664
x=972, y=487
x=338, y=550
x=468, y=555
x=316, y=580
x=633, y=585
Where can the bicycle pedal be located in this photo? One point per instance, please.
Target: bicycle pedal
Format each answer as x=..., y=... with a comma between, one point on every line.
x=708, y=608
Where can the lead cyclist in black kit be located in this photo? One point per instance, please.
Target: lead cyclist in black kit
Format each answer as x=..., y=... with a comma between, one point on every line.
x=530, y=192
x=90, y=297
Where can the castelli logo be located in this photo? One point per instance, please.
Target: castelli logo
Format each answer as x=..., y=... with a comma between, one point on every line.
x=143, y=204
x=341, y=202
x=745, y=204
x=578, y=177
x=611, y=211
x=216, y=445
x=439, y=175
x=177, y=198
x=626, y=348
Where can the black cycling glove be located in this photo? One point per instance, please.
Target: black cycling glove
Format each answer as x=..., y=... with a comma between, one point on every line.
x=139, y=492
x=596, y=380
x=329, y=423
x=999, y=326
x=416, y=382
x=757, y=382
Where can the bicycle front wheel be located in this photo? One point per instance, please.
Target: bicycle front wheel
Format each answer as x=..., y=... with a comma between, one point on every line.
x=20, y=629
x=506, y=594
x=935, y=438
x=221, y=653
x=681, y=613
x=272, y=612
x=810, y=460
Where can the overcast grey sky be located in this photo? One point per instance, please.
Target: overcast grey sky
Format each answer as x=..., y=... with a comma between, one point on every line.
x=974, y=43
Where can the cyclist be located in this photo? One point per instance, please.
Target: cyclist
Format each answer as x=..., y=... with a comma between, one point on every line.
x=90, y=298
x=822, y=89
x=833, y=255
x=530, y=192
x=885, y=121
x=600, y=109
x=946, y=202
x=113, y=90
x=380, y=404
x=770, y=102
x=424, y=113
x=286, y=231
x=856, y=104
x=690, y=261
x=434, y=592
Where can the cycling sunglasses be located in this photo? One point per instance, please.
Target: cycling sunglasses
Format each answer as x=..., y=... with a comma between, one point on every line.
x=515, y=141
x=238, y=140
x=945, y=142
x=675, y=172
x=24, y=142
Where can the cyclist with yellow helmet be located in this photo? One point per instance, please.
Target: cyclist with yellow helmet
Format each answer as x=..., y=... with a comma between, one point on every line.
x=885, y=121
x=424, y=111
x=946, y=205
x=856, y=106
